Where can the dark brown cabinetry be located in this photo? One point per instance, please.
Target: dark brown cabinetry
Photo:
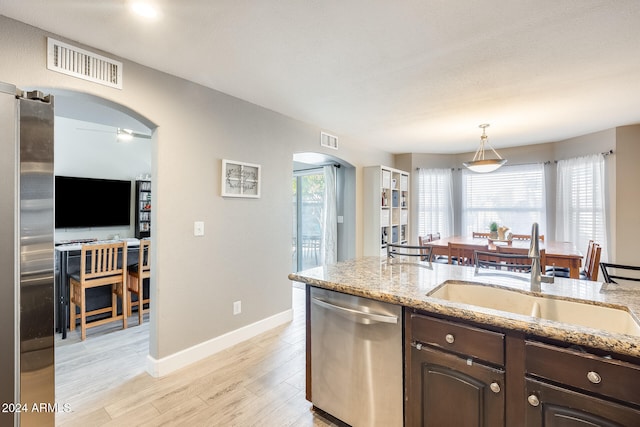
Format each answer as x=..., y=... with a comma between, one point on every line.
x=454, y=375
x=572, y=387
x=553, y=406
x=463, y=374
x=454, y=391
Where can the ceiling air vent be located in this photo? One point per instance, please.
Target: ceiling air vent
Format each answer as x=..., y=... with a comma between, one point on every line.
x=80, y=63
x=328, y=141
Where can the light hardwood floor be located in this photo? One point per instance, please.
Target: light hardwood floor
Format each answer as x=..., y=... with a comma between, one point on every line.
x=257, y=383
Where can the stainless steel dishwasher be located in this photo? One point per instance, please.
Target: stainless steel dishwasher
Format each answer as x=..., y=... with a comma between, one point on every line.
x=356, y=359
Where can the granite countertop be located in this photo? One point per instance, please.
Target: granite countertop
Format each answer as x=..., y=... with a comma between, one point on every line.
x=408, y=283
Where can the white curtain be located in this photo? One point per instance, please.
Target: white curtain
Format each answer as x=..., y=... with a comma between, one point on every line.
x=329, y=218
x=580, y=203
x=435, y=202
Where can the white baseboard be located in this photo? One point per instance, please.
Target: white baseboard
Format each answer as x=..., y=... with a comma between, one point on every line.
x=175, y=361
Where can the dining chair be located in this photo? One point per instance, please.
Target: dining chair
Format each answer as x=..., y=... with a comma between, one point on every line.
x=399, y=251
x=426, y=238
x=590, y=263
x=518, y=264
x=615, y=273
x=440, y=259
x=100, y=265
x=591, y=270
x=138, y=273
x=422, y=241
x=463, y=253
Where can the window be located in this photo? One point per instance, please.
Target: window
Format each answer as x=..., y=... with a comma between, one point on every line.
x=435, y=207
x=513, y=196
x=580, y=203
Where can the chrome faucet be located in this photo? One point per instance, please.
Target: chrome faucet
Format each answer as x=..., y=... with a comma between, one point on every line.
x=534, y=253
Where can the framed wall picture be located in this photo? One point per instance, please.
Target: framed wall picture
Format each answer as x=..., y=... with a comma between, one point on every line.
x=240, y=179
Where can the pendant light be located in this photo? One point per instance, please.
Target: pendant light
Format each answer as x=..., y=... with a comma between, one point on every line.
x=479, y=163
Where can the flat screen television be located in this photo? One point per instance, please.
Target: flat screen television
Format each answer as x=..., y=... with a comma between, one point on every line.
x=91, y=202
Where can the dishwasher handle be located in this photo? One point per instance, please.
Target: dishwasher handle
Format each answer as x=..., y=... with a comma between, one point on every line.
x=359, y=316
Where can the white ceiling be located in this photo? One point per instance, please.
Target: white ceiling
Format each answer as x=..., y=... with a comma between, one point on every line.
x=403, y=76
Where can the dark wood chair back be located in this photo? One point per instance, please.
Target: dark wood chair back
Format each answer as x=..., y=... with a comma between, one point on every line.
x=519, y=264
x=591, y=268
x=463, y=254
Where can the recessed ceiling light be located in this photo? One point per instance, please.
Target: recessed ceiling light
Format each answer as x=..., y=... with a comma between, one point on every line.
x=144, y=9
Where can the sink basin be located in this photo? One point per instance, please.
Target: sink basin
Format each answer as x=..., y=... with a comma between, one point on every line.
x=512, y=301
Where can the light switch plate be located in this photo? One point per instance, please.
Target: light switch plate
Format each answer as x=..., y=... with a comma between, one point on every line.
x=198, y=228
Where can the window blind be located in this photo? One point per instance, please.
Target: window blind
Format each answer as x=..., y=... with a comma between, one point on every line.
x=513, y=196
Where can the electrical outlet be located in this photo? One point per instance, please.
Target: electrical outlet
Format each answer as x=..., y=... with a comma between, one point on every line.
x=237, y=307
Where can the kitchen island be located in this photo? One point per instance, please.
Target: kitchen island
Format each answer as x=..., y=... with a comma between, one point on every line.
x=522, y=339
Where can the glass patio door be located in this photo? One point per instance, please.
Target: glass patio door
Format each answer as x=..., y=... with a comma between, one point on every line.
x=308, y=205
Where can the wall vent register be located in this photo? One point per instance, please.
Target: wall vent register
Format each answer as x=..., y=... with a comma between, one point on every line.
x=73, y=61
x=328, y=141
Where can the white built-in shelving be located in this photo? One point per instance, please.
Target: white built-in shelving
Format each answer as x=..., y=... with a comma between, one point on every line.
x=386, y=212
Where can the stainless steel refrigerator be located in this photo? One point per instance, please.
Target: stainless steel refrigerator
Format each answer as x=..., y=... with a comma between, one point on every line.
x=27, y=376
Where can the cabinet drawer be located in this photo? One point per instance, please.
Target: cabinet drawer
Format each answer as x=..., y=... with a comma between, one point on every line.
x=549, y=405
x=606, y=377
x=459, y=338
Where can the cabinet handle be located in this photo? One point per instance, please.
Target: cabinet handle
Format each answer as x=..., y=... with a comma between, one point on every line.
x=533, y=400
x=594, y=377
x=449, y=338
x=419, y=346
x=495, y=387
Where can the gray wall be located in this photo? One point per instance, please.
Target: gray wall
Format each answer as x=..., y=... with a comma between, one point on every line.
x=246, y=251
x=627, y=196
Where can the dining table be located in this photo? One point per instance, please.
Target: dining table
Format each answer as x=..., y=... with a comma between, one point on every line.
x=558, y=254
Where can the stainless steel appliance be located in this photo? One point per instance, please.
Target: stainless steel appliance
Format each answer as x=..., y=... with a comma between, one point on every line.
x=27, y=390
x=356, y=359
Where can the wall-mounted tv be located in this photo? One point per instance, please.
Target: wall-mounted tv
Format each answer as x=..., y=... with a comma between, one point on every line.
x=91, y=202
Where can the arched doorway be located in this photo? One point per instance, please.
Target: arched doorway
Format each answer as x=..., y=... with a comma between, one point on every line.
x=82, y=118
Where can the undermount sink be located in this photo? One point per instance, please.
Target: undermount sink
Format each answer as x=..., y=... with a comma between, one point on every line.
x=577, y=313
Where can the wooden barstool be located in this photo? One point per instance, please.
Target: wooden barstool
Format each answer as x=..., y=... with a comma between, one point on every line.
x=100, y=265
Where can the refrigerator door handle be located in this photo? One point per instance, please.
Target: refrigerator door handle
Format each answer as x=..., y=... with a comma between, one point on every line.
x=362, y=317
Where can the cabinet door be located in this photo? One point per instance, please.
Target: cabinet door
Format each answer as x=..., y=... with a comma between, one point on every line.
x=552, y=406
x=446, y=390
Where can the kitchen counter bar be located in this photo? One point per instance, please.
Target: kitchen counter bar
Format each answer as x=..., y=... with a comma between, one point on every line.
x=408, y=283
